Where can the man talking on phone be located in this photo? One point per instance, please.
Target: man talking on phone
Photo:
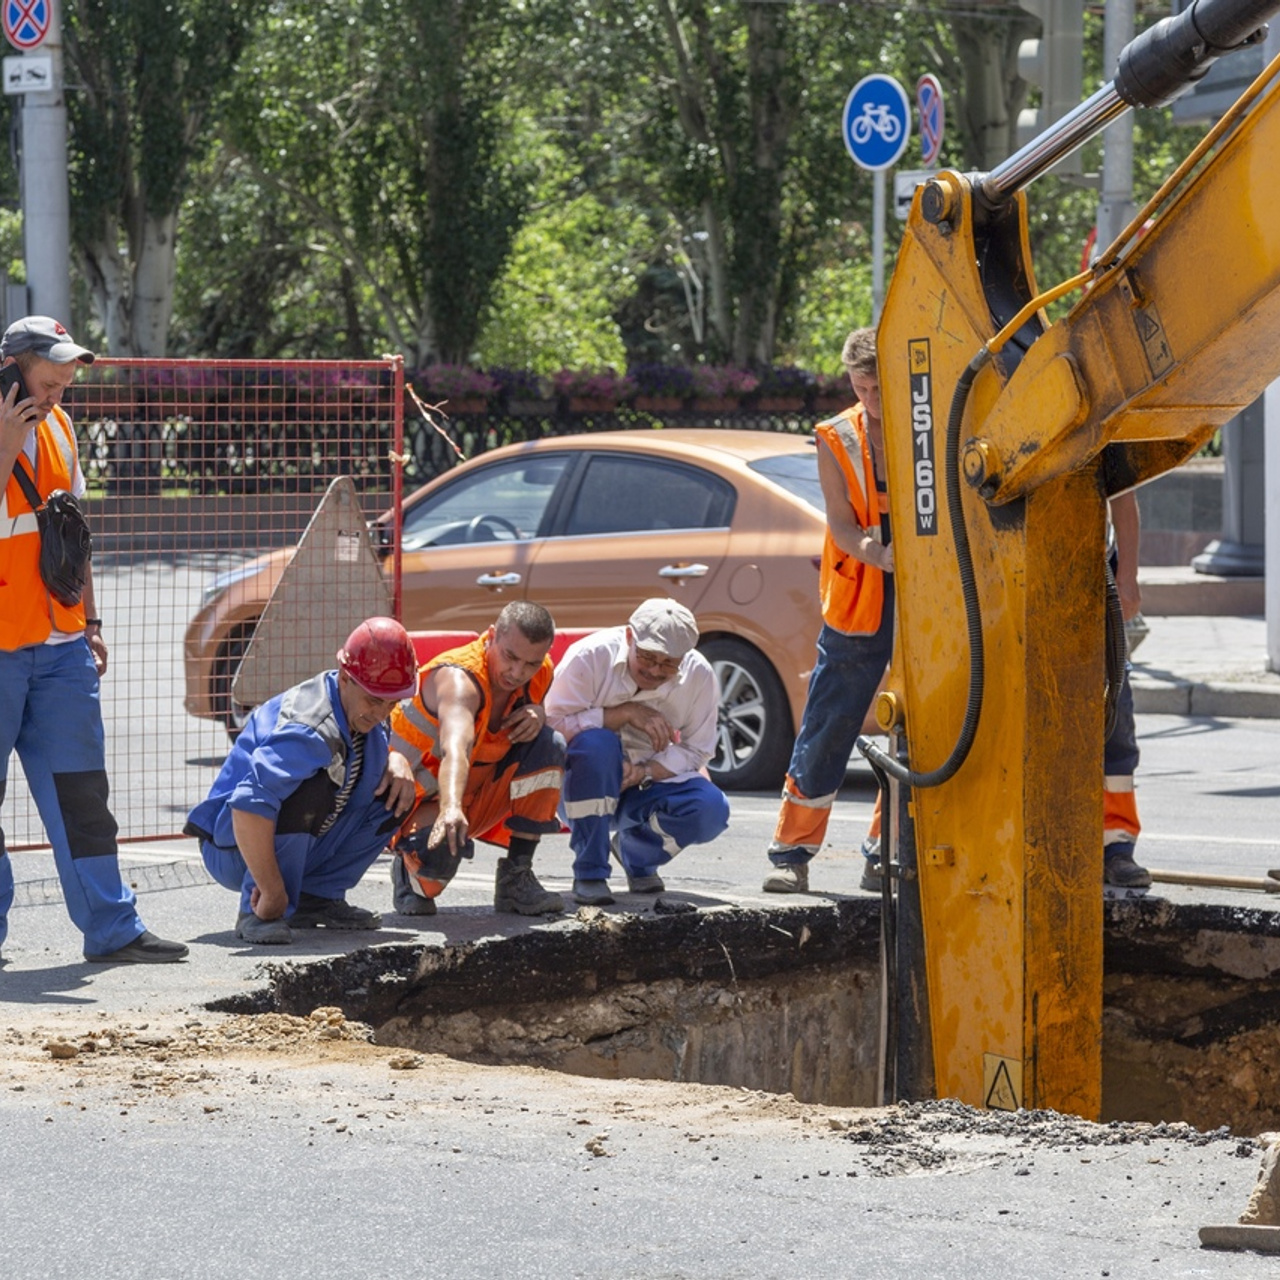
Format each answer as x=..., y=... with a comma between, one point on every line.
x=52, y=654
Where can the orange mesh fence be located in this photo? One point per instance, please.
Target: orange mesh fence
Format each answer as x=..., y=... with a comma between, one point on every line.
x=203, y=476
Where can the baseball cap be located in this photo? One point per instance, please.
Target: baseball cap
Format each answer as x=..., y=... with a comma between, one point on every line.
x=663, y=626
x=46, y=337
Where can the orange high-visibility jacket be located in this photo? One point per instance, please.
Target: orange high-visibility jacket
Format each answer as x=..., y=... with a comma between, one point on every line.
x=415, y=730
x=852, y=591
x=28, y=613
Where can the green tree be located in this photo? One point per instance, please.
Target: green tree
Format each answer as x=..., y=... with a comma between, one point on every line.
x=383, y=122
x=721, y=123
x=147, y=77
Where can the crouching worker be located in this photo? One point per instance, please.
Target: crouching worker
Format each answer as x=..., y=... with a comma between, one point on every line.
x=638, y=705
x=311, y=793
x=486, y=765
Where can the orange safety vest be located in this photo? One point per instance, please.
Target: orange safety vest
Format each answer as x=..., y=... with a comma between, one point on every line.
x=415, y=730
x=852, y=591
x=28, y=613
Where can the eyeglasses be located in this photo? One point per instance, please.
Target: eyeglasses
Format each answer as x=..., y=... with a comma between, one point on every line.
x=658, y=663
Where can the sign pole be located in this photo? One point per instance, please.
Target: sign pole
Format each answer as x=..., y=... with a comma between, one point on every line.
x=877, y=245
x=46, y=204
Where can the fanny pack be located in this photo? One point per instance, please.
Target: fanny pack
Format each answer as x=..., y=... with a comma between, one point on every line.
x=66, y=545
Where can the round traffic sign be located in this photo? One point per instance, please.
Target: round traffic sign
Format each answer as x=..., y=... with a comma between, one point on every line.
x=876, y=121
x=26, y=22
x=932, y=118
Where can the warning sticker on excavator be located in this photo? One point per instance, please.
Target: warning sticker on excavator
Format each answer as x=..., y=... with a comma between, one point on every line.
x=1154, y=342
x=920, y=368
x=1001, y=1083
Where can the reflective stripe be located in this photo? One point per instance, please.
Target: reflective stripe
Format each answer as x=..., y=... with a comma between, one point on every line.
x=545, y=779
x=669, y=846
x=16, y=526
x=407, y=747
x=1117, y=782
x=417, y=717
x=427, y=780
x=818, y=802
x=603, y=807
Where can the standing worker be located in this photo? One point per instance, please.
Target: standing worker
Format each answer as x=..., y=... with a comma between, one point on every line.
x=52, y=656
x=856, y=640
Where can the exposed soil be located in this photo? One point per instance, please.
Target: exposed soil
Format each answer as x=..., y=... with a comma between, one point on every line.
x=208, y=1063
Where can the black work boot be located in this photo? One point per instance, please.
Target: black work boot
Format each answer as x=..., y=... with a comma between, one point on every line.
x=516, y=889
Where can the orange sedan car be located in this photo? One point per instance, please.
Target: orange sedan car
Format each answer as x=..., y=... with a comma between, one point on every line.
x=727, y=522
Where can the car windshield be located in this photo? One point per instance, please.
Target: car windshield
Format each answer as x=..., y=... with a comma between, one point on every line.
x=797, y=473
x=498, y=503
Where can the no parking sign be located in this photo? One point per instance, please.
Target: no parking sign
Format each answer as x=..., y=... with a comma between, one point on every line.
x=26, y=22
x=932, y=117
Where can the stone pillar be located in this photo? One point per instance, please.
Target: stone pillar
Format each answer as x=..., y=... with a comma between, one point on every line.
x=1240, y=552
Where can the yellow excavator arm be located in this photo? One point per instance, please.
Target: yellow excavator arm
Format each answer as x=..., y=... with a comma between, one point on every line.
x=1005, y=437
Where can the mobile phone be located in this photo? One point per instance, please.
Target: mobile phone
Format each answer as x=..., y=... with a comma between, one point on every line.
x=9, y=375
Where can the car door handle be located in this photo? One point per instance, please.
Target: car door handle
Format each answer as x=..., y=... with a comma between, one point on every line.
x=497, y=579
x=684, y=571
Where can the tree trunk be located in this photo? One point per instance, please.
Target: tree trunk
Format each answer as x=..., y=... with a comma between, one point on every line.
x=152, y=285
x=994, y=92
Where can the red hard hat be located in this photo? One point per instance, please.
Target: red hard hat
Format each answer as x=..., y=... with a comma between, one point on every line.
x=379, y=657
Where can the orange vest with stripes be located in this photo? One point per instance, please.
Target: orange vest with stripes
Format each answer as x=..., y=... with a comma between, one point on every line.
x=28, y=613
x=852, y=591
x=419, y=727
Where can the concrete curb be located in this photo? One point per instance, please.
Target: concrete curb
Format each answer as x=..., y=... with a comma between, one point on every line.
x=1226, y=699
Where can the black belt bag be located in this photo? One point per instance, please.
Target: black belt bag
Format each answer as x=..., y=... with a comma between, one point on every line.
x=66, y=545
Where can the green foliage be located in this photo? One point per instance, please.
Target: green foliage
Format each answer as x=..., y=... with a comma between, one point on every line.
x=149, y=73
x=527, y=183
x=571, y=269
x=401, y=103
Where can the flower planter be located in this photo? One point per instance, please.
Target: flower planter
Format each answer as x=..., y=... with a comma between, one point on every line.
x=467, y=404
x=780, y=404
x=592, y=404
x=715, y=404
x=659, y=404
x=532, y=408
x=828, y=406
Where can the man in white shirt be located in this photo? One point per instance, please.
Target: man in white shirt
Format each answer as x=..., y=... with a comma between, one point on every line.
x=638, y=706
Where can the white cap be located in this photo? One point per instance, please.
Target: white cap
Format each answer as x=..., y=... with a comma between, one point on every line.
x=664, y=626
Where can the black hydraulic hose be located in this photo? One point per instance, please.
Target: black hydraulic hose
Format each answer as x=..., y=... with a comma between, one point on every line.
x=972, y=606
x=1117, y=653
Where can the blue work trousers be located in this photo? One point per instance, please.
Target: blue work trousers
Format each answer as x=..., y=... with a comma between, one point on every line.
x=326, y=866
x=843, y=682
x=653, y=825
x=50, y=713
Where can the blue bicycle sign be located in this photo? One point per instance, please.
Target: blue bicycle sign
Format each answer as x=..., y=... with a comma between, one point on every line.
x=876, y=122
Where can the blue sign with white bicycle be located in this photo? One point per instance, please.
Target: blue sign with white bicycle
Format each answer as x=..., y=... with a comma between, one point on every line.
x=876, y=121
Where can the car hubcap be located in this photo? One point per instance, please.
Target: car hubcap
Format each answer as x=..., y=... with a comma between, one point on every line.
x=741, y=722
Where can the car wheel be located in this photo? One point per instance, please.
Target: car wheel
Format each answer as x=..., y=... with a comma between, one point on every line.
x=231, y=713
x=754, y=737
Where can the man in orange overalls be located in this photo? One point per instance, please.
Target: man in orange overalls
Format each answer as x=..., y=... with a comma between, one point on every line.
x=485, y=763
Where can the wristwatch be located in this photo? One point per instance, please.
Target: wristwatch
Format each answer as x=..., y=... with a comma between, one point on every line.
x=647, y=781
